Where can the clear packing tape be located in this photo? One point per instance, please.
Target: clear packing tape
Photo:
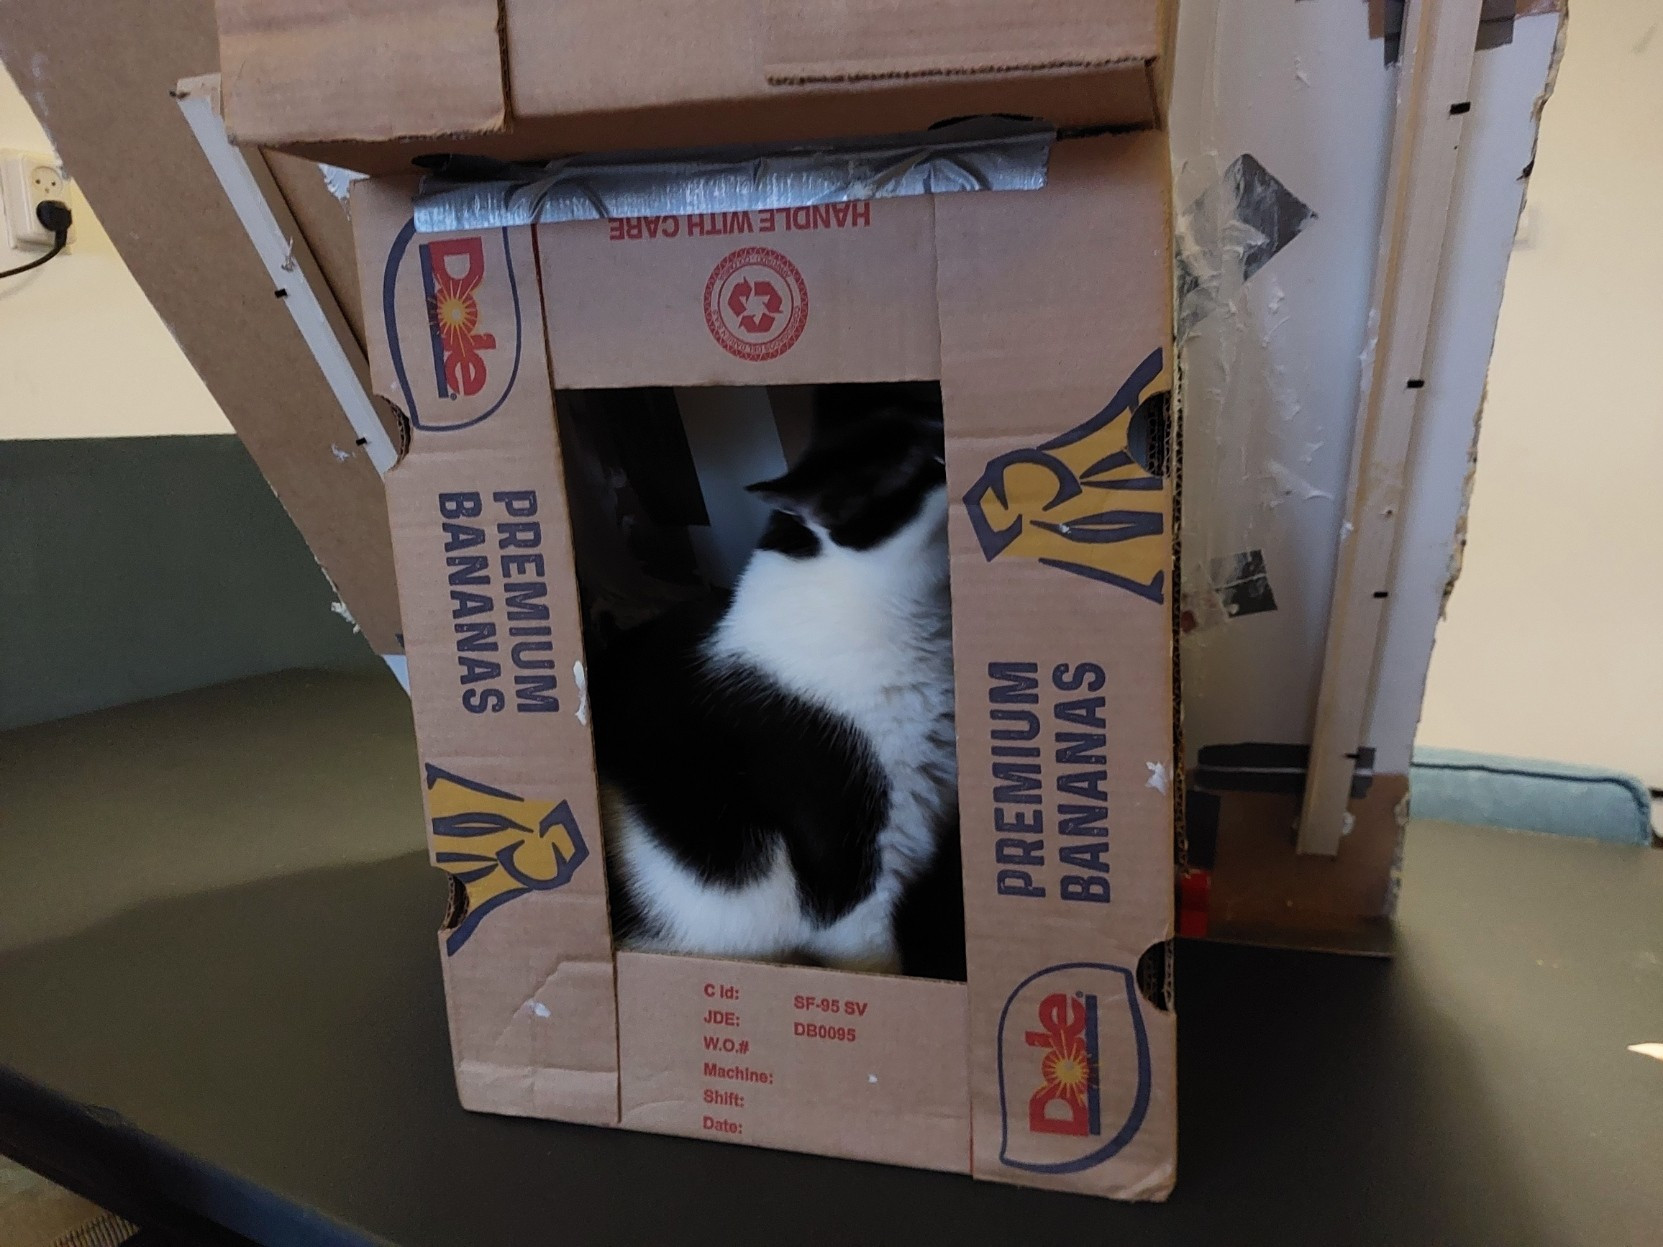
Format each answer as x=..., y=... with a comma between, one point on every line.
x=985, y=153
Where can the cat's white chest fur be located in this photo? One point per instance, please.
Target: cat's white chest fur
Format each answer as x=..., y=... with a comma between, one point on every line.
x=866, y=635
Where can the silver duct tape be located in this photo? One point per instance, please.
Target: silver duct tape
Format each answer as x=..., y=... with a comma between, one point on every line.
x=979, y=155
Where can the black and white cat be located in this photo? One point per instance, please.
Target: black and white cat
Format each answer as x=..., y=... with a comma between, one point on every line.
x=778, y=772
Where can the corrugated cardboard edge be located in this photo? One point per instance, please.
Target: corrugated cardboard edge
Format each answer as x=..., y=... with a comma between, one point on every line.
x=816, y=73
x=844, y=41
x=1160, y=71
x=1458, y=539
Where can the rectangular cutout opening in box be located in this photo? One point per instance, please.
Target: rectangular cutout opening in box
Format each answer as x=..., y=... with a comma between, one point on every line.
x=763, y=579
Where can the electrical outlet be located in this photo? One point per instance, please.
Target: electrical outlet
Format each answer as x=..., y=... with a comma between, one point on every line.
x=27, y=180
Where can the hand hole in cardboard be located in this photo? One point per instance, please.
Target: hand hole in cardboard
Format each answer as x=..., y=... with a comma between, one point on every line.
x=397, y=425
x=456, y=904
x=1149, y=435
x=1154, y=975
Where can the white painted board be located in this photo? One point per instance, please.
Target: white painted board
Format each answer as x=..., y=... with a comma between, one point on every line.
x=1271, y=348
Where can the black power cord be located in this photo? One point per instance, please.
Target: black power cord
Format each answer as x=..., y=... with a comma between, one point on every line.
x=55, y=216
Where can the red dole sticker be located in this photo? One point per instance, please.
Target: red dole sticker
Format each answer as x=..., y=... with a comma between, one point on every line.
x=756, y=304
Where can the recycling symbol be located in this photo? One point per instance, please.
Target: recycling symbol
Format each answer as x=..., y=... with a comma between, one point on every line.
x=756, y=303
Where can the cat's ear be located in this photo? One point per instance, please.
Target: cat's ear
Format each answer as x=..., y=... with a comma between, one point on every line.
x=789, y=493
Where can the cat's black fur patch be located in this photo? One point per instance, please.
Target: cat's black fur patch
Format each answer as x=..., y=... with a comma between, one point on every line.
x=869, y=467
x=929, y=922
x=839, y=402
x=790, y=536
x=722, y=767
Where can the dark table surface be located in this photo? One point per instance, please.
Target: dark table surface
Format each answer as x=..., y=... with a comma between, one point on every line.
x=270, y=1058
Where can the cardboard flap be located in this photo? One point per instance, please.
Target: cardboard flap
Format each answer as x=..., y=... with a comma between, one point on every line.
x=337, y=82
x=1054, y=362
x=809, y=41
x=294, y=70
x=483, y=548
x=566, y=57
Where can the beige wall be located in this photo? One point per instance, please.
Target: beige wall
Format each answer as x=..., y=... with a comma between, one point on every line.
x=1553, y=645
x=82, y=352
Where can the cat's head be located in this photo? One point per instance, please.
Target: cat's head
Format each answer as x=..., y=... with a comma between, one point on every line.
x=873, y=471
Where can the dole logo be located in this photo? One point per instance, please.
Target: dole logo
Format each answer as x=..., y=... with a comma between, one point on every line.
x=498, y=846
x=456, y=299
x=1067, y=1100
x=450, y=275
x=1085, y=502
x=1061, y=1110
